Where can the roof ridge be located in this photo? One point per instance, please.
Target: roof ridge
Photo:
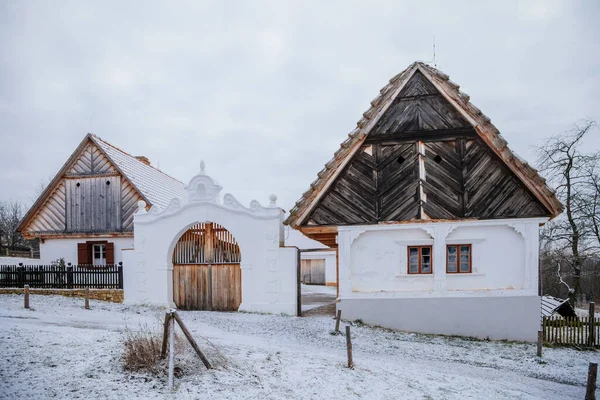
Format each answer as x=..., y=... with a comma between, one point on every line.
x=96, y=137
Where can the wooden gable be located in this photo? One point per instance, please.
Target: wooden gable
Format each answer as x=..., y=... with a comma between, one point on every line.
x=91, y=161
x=422, y=160
x=89, y=195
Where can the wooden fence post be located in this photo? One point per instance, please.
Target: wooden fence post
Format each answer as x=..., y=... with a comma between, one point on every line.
x=349, y=347
x=539, y=343
x=21, y=275
x=591, y=319
x=120, y=269
x=87, y=298
x=168, y=317
x=337, y=321
x=171, y=353
x=69, y=277
x=26, y=293
x=590, y=392
x=190, y=338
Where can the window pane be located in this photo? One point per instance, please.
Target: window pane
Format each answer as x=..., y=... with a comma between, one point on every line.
x=464, y=267
x=413, y=266
x=452, y=265
x=464, y=249
x=452, y=250
x=425, y=268
x=426, y=251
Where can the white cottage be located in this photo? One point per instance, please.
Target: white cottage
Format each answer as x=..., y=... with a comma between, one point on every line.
x=435, y=220
x=85, y=215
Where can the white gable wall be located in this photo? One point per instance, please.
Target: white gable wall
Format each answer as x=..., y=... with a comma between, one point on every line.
x=376, y=288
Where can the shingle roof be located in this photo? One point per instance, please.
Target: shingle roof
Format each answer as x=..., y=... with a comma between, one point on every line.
x=157, y=187
x=450, y=90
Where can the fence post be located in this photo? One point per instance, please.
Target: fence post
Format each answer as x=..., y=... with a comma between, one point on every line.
x=120, y=269
x=590, y=391
x=87, y=298
x=337, y=321
x=21, y=275
x=591, y=337
x=69, y=277
x=349, y=347
x=171, y=353
x=26, y=293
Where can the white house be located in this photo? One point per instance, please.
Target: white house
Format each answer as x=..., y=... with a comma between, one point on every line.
x=85, y=215
x=435, y=220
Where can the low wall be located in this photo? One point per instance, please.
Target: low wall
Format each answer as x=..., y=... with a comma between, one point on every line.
x=112, y=295
x=496, y=318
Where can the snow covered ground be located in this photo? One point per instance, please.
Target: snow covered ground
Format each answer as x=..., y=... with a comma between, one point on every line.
x=60, y=350
x=314, y=296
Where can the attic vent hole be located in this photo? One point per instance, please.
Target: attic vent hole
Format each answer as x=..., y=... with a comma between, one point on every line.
x=437, y=159
x=400, y=160
x=78, y=184
x=107, y=183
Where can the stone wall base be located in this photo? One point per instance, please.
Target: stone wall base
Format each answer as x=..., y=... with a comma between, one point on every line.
x=112, y=295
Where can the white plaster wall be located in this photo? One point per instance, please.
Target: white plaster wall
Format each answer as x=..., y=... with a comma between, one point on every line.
x=379, y=261
x=493, y=317
x=53, y=249
x=329, y=257
x=498, y=259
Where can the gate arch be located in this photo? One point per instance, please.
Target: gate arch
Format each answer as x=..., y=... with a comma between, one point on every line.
x=206, y=269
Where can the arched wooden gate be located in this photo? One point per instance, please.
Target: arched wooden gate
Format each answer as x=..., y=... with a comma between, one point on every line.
x=206, y=269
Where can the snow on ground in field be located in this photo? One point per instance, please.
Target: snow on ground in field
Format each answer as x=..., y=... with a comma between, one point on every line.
x=17, y=260
x=60, y=350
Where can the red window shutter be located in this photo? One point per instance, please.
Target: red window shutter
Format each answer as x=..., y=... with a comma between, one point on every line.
x=82, y=254
x=110, y=253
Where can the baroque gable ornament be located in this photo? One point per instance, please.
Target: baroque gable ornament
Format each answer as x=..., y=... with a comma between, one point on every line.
x=203, y=188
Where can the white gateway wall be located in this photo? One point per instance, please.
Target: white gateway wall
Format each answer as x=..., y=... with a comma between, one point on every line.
x=268, y=269
x=53, y=249
x=497, y=300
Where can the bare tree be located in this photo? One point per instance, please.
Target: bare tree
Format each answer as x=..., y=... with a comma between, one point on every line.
x=590, y=198
x=11, y=213
x=564, y=165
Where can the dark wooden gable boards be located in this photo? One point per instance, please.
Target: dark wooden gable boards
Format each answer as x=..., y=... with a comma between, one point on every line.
x=423, y=160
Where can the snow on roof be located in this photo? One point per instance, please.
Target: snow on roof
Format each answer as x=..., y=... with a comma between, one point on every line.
x=550, y=305
x=156, y=186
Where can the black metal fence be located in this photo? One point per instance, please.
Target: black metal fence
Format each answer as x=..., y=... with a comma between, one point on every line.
x=62, y=277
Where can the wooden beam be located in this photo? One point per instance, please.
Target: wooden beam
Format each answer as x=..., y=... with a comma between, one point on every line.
x=423, y=136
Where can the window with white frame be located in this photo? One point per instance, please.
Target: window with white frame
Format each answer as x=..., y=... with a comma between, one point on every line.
x=99, y=254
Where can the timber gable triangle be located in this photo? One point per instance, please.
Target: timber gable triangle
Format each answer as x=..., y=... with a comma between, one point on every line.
x=423, y=152
x=95, y=158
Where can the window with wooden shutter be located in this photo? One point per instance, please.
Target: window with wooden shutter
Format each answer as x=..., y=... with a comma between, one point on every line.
x=82, y=254
x=110, y=253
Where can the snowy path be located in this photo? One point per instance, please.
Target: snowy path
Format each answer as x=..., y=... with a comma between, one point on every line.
x=60, y=350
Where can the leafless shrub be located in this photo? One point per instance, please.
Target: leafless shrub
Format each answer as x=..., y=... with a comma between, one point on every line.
x=142, y=350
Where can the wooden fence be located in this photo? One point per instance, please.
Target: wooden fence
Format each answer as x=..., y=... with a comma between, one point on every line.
x=62, y=277
x=583, y=331
x=20, y=253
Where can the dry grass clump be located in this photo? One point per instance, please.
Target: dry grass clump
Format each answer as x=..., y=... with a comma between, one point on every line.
x=142, y=350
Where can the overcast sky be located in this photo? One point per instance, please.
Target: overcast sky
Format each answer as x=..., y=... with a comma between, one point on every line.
x=265, y=92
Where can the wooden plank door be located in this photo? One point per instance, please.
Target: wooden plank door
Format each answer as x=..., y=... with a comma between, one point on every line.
x=206, y=270
x=313, y=272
